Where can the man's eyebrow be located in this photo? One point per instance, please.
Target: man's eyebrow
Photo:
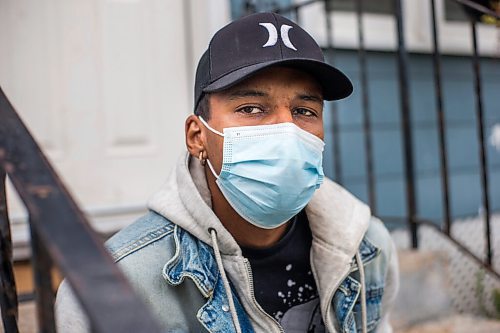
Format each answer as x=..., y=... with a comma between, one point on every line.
x=311, y=97
x=246, y=93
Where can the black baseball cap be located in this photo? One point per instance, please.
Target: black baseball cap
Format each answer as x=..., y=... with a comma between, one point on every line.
x=262, y=40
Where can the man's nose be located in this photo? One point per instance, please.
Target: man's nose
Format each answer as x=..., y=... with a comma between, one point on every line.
x=282, y=114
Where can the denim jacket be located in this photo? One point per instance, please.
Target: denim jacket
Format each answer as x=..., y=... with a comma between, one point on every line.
x=169, y=259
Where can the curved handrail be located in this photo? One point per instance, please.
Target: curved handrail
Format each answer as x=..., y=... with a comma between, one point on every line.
x=61, y=228
x=479, y=8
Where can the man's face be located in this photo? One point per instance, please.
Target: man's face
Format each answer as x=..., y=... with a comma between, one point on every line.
x=272, y=96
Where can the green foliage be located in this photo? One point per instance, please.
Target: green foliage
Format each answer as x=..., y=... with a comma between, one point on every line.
x=496, y=299
x=480, y=293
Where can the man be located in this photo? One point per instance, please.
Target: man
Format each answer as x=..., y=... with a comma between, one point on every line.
x=247, y=235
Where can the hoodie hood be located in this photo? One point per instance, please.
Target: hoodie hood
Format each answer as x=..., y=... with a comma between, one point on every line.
x=337, y=219
x=185, y=200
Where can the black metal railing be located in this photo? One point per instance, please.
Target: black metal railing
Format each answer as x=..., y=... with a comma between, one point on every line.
x=412, y=218
x=60, y=236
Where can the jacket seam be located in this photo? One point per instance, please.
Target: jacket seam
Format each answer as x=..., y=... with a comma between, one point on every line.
x=203, y=308
x=142, y=242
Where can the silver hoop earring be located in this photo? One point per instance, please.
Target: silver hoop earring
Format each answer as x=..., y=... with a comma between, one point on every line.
x=202, y=160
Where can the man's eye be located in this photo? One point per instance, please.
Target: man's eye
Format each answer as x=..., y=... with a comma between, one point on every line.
x=250, y=110
x=304, y=112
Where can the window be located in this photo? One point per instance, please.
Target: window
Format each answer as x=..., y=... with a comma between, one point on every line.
x=240, y=7
x=373, y=7
x=454, y=11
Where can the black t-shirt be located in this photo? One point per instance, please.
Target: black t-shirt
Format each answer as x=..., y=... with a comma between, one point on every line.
x=283, y=281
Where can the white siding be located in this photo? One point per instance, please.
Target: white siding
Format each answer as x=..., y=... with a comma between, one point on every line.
x=105, y=87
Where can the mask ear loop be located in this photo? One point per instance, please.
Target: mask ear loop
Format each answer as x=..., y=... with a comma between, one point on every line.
x=210, y=128
x=216, y=132
x=212, y=169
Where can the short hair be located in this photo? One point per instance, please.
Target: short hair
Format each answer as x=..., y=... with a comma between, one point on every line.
x=203, y=108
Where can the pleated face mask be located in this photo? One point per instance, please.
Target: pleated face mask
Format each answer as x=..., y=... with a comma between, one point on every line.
x=270, y=172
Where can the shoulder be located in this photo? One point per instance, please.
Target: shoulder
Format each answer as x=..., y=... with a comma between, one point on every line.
x=141, y=251
x=130, y=247
x=144, y=232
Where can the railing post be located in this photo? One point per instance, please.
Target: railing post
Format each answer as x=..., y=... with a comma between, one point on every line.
x=441, y=122
x=44, y=293
x=249, y=7
x=406, y=124
x=8, y=291
x=481, y=141
x=337, y=161
x=296, y=13
x=366, y=109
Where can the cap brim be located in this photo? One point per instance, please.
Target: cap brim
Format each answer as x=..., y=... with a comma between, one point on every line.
x=334, y=83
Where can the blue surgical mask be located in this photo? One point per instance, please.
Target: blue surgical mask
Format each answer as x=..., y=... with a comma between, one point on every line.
x=270, y=172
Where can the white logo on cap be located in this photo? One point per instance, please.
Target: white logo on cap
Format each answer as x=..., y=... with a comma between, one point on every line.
x=273, y=35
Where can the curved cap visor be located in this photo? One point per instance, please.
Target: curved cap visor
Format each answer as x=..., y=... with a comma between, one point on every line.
x=334, y=83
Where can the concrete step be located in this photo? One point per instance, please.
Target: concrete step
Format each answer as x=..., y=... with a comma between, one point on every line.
x=27, y=318
x=456, y=324
x=472, y=289
x=424, y=292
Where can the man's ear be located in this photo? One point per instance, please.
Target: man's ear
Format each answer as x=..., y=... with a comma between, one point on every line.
x=195, y=138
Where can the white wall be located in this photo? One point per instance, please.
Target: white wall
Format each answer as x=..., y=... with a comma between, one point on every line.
x=105, y=87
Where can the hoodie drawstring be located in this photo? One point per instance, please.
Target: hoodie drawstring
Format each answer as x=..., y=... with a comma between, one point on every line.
x=229, y=293
x=225, y=281
x=363, y=291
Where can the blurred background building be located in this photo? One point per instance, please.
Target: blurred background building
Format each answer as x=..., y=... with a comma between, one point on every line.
x=105, y=87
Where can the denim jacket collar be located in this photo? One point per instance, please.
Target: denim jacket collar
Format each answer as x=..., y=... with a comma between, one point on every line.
x=367, y=251
x=194, y=259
